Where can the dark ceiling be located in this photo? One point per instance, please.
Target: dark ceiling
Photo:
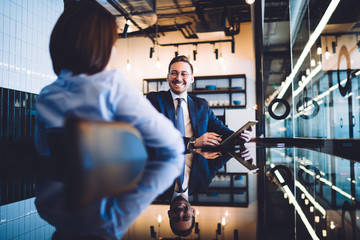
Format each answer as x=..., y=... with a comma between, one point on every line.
x=190, y=17
x=187, y=16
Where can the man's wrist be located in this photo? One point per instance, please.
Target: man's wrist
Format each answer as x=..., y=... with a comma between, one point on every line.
x=192, y=142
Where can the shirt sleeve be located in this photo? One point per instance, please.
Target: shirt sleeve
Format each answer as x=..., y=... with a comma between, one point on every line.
x=215, y=125
x=158, y=132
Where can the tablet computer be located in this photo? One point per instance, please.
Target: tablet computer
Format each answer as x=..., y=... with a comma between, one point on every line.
x=228, y=143
x=247, y=164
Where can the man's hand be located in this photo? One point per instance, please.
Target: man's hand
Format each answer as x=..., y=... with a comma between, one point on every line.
x=208, y=155
x=208, y=139
x=245, y=136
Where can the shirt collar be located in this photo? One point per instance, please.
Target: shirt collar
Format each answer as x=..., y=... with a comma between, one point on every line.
x=184, y=195
x=182, y=95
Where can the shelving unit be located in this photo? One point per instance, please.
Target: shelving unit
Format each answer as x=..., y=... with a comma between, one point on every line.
x=221, y=92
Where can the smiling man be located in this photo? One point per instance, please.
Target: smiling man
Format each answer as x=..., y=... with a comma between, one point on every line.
x=181, y=216
x=198, y=125
x=201, y=126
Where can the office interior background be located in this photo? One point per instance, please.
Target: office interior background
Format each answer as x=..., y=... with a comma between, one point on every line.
x=300, y=59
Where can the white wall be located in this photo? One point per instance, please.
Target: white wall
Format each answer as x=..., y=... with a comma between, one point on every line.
x=137, y=49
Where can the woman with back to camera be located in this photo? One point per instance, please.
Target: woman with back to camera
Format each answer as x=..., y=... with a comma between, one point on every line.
x=81, y=45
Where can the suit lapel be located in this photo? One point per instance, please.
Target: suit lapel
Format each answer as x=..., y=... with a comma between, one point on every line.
x=193, y=112
x=169, y=105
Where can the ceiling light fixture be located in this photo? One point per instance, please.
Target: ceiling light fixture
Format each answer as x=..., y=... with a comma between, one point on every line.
x=221, y=60
x=223, y=222
x=128, y=65
x=249, y=1
x=158, y=63
x=126, y=27
x=151, y=52
x=177, y=50
x=216, y=51
x=334, y=45
x=327, y=54
x=195, y=52
x=318, y=50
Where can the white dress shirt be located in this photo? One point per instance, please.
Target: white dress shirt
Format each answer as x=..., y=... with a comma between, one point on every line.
x=188, y=133
x=184, y=105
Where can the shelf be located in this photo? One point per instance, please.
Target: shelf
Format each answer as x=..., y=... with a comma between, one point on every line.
x=227, y=89
x=218, y=91
x=229, y=106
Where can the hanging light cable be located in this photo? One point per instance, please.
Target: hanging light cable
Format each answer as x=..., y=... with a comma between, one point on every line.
x=221, y=60
x=128, y=65
x=158, y=63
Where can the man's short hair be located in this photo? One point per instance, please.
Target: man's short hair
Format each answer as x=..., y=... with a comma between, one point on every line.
x=181, y=58
x=82, y=38
x=183, y=233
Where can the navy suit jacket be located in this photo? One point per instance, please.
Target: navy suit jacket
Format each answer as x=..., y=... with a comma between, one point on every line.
x=202, y=172
x=202, y=117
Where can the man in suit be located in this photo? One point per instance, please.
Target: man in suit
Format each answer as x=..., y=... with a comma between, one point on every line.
x=199, y=127
x=202, y=127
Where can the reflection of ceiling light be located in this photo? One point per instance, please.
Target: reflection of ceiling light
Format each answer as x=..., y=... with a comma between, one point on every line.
x=312, y=39
x=306, y=201
x=303, y=196
x=311, y=209
x=324, y=233
x=332, y=225
x=307, y=71
x=296, y=205
x=318, y=50
x=313, y=63
x=249, y=1
x=317, y=219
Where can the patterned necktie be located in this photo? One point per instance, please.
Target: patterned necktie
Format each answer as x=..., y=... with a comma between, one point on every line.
x=181, y=127
x=180, y=117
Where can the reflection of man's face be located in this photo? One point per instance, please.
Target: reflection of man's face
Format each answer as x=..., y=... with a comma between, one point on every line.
x=181, y=214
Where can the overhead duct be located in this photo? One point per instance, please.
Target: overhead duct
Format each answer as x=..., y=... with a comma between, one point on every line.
x=142, y=12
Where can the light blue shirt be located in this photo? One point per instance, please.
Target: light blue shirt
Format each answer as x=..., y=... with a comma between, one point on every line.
x=105, y=96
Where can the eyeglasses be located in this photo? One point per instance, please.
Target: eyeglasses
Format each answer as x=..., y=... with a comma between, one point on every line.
x=184, y=75
x=178, y=219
